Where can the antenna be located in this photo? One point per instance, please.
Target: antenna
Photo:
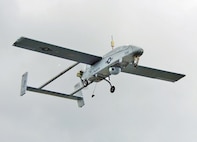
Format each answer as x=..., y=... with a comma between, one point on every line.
x=112, y=43
x=94, y=90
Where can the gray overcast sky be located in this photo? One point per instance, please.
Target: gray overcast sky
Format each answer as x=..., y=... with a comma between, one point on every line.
x=141, y=109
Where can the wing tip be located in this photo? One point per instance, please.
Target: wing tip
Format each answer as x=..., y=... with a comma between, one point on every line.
x=179, y=77
x=18, y=41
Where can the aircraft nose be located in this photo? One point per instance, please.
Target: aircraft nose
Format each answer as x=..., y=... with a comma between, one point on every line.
x=138, y=52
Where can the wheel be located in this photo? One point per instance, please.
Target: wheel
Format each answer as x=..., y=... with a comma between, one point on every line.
x=85, y=83
x=112, y=89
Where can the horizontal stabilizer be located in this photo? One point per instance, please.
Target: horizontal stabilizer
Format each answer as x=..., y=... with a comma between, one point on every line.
x=47, y=92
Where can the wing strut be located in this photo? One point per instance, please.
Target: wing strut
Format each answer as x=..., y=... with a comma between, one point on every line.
x=76, y=95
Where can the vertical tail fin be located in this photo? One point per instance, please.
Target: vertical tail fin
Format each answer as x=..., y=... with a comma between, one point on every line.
x=24, y=84
x=79, y=94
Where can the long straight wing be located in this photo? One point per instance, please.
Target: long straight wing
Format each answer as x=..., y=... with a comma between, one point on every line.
x=56, y=51
x=153, y=73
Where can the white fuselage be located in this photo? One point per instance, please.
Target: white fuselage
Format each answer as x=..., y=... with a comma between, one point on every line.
x=119, y=57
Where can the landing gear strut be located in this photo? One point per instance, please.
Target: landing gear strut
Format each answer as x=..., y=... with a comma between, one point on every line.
x=136, y=61
x=112, y=88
